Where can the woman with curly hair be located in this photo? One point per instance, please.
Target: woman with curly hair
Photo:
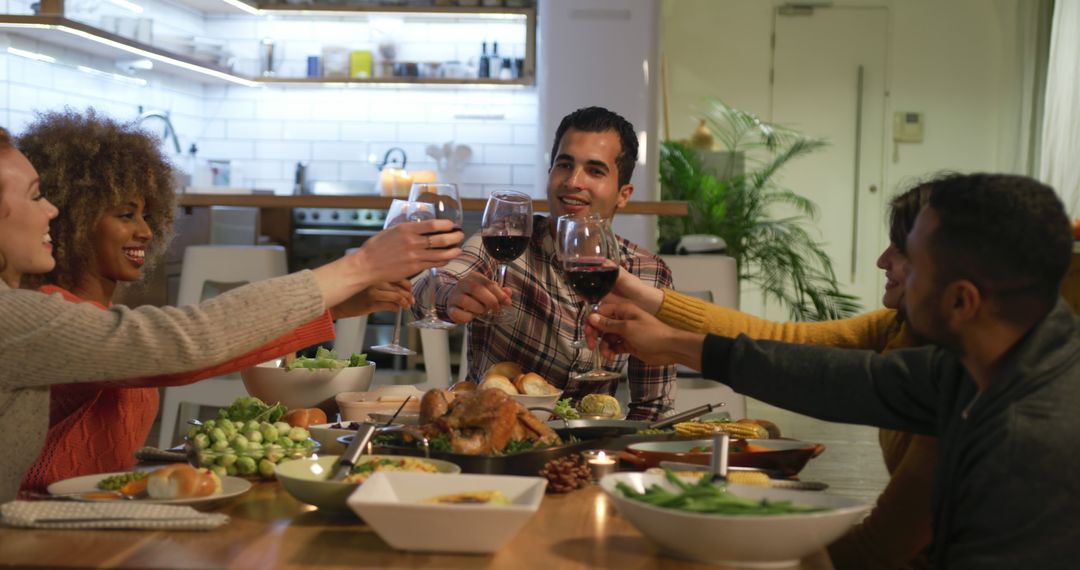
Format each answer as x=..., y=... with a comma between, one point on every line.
x=117, y=198
x=898, y=530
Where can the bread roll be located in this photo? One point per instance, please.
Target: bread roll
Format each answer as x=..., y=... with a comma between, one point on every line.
x=497, y=382
x=304, y=417
x=532, y=384
x=182, y=482
x=464, y=386
x=508, y=369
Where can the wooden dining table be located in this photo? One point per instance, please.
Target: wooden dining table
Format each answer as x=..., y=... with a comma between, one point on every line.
x=270, y=529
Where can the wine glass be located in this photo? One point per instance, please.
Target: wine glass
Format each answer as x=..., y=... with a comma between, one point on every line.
x=447, y=205
x=589, y=260
x=505, y=232
x=402, y=211
x=560, y=233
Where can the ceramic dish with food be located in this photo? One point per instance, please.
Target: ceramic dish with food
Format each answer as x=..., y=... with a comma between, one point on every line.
x=453, y=513
x=773, y=527
x=88, y=488
x=786, y=456
x=306, y=479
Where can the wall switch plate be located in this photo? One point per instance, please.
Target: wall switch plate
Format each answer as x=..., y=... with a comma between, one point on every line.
x=907, y=127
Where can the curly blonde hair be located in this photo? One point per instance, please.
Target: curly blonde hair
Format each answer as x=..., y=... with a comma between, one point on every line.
x=89, y=164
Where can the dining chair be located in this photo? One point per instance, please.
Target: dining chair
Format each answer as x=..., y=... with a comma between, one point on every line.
x=715, y=279
x=207, y=271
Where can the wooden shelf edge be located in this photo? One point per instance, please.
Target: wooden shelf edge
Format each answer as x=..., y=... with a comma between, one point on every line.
x=300, y=81
x=366, y=8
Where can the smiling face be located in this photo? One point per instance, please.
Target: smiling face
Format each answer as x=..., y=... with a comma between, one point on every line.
x=895, y=265
x=584, y=178
x=24, y=220
x=120, y=240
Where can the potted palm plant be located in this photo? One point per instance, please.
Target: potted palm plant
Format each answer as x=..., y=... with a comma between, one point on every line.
x=776, y=254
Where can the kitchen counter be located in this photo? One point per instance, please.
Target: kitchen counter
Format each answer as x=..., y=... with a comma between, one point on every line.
x=270, y=529
x=266, y=201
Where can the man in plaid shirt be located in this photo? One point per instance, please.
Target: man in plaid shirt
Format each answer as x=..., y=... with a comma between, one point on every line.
x=592, y=160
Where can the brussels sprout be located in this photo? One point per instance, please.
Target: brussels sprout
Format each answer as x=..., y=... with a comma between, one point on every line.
x=201, y=441
x=266, y=468
x=220, y=445
x=255, y=436
x=282, y=427
x=218, y=434
x=275, y=452
x=239, y=443
x=221, y=471
x=269, y=432
x=251, y=425
x=246, y=466
x=209, y=426
x=231, y=469
x=226, y=459
x=298, y=434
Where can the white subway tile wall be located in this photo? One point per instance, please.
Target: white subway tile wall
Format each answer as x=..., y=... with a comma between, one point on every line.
x=340, y=132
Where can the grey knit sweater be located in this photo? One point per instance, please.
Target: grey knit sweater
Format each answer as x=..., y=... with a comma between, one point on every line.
x=46, y=340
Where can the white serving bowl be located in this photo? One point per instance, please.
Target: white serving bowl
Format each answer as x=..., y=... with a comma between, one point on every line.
x=766, y=540
x=328, y=437
x=305, y=479
x=538, y=401
x=390, y=503
x=305, y=387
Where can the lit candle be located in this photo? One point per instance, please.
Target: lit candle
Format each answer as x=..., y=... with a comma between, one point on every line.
x=600, y=463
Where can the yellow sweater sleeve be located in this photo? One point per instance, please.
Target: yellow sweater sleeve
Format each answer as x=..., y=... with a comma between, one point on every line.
x=867, y=331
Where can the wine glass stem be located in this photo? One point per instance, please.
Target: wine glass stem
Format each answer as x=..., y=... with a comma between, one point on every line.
x=596, y=353
x=397, y=328
x=432, y=312
x=501, y=274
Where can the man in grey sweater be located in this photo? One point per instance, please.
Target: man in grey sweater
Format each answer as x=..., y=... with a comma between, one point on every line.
x=1000, y=389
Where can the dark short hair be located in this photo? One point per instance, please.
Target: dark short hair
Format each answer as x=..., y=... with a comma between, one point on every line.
x=600, y=120
x=903, y=209
x=90, y=163
x=1007, y=234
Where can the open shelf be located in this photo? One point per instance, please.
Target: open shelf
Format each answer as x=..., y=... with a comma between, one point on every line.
x=62, y=32
x=66, y=33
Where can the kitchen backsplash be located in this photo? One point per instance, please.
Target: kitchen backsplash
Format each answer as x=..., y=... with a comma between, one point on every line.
x=265, y=131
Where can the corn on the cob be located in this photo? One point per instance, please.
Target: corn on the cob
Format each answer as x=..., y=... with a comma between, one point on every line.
x=749, y=478
x=707, y=429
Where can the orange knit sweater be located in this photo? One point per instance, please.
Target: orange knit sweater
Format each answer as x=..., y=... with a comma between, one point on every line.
x=896, y=532
x=96, y=427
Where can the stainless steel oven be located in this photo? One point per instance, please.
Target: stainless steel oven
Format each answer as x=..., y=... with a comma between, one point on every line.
x=321, y=235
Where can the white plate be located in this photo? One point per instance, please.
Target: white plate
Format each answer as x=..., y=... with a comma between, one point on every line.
x=230, y=487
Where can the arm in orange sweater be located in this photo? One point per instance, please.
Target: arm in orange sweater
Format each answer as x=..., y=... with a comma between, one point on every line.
x=867, y=331
x=316, y=331
x=899, y=527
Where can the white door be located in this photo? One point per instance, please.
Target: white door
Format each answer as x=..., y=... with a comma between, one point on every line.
x=829, y=82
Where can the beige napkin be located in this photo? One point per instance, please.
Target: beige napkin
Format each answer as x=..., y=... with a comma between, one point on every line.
x=127, y=515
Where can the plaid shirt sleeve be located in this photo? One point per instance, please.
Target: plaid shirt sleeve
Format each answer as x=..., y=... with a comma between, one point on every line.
x=652, y=388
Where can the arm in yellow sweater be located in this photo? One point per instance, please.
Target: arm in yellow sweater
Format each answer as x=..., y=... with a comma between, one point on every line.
x=867, y=331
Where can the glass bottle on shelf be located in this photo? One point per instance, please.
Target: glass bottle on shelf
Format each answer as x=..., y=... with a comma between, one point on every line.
x=483, y=65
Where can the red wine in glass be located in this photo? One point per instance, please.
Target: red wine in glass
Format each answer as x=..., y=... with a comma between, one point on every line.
x=505, y=248
x=591, y=278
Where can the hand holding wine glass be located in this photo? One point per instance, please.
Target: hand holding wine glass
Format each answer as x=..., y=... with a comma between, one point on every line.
x=446, y=205
x=505, y=232
x=589, y=259
x=401, y=212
